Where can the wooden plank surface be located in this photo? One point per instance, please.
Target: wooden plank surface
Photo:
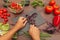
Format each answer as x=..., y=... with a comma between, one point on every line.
x=49, y=18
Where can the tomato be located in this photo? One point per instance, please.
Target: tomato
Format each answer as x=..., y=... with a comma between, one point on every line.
x=5, y=17
x=8, y=15
x=5, y=20
x=2, y=16
x=56, y=20
x=19, y=7
x=48, y=9
x=13, y=5
x=5, y=14
x=5, y=10
x=57, y=12
x=55, y=7
x=52, y=2
x=1, y=12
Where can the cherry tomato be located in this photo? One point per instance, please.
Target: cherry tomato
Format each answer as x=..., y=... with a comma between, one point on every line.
x=48, y=9
x=55, y=7
x=8, y=15
x=19, y=7
x=5, y=10
x=57, y=12
x=1, y=12
x=56, y=21
x=2, y=16
x=5, y=14
x=13, y=5
x=5, y=17
x=52, y=2
x=5, y=20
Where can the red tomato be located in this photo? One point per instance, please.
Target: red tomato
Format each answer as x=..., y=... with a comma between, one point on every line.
x=56, y=20
x=57, y=12
x=13, y=5
x=8, y=15
x=4, y=10
x=52, y=2
x=48, y=9
x=55, y=7
x=5, y=17
x=5, y=14
x=1, y=12
x=19, y=7
x=5, y=20
x=2, y=16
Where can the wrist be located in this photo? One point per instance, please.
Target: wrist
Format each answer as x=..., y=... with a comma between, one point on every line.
x=36, y=38
x=17, y=27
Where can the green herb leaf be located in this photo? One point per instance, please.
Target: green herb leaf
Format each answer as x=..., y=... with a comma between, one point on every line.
x=6, y=1
x=5, y=5
x=42, y=35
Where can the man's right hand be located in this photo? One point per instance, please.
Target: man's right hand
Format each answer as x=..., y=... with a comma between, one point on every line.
x=34, y=32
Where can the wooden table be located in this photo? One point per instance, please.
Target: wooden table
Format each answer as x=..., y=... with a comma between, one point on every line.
x=49, y=18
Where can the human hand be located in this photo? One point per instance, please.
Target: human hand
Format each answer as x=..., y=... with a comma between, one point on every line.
x=21, y=22
x=34, y=32
x=4, y=38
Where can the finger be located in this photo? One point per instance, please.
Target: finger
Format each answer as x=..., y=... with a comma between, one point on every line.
x=25, y=22
x=31, y=26
x=21, y=18
x=24, y=19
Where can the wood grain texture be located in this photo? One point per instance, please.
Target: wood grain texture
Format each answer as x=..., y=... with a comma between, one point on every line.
x=49, y=18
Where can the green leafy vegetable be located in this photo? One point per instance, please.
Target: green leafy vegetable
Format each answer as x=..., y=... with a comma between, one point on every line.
x=25, y=2
x=43, y=35
x=6, y=1
x=37, y=3
x=3, y=32
x=14, y=37
x=5, y=5
x=5, y=27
